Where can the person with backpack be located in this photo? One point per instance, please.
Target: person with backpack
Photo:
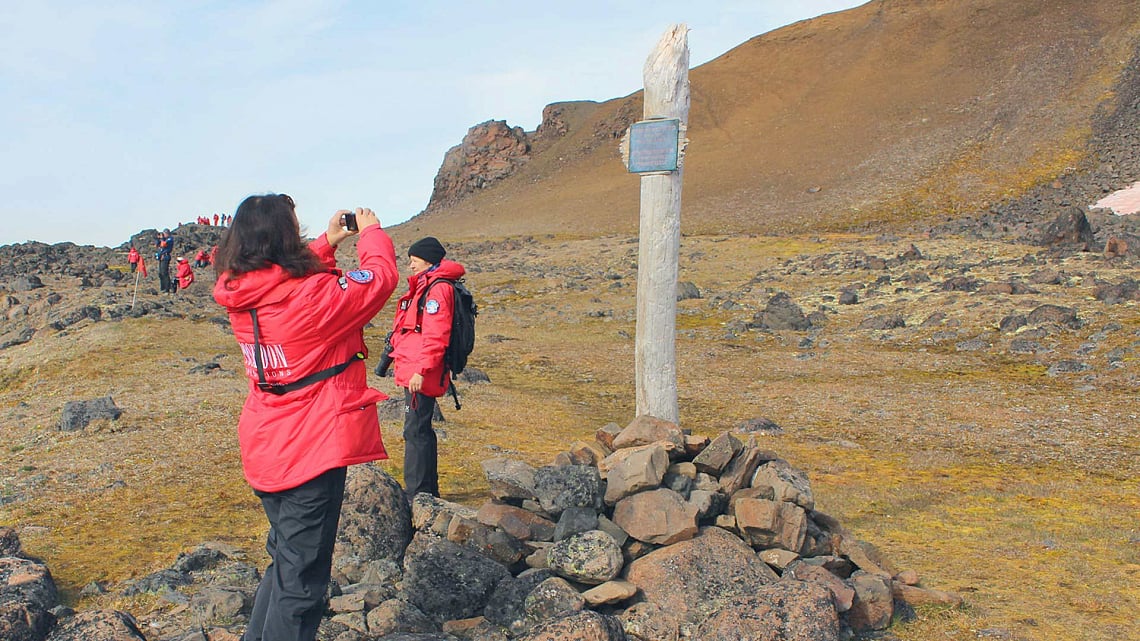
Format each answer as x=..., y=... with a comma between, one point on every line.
x=421, y=332
x=310, y=413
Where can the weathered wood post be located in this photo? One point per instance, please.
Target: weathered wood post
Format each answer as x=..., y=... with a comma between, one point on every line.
x=654, y=149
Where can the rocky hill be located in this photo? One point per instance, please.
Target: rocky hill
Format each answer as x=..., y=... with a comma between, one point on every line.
x=893, y=115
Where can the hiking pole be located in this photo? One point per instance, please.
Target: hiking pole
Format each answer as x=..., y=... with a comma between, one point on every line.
x=136, y=292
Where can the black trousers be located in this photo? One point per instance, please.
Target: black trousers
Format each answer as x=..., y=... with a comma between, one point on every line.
x=164, y=275
x=421, y=463
x=302, y=533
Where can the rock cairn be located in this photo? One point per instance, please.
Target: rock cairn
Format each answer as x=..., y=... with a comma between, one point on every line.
x=645, y=533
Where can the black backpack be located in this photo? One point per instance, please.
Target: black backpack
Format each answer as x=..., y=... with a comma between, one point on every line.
x=462, y=340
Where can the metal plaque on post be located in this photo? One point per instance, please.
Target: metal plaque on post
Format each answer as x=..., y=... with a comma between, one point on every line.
x=654, y=145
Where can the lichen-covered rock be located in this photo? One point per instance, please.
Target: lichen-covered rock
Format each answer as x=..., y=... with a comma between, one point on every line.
x=375, y=524
x=784, y=611
x=691, y=579
x=558, y=487
x=591, y=557
x=582, y=626
x=448, y=581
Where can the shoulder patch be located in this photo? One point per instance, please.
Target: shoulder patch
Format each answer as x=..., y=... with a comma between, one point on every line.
x=432, y=306
x=361, y=276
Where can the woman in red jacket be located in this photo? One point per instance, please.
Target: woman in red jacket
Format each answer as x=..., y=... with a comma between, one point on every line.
x=310, y=413
x=420, y=334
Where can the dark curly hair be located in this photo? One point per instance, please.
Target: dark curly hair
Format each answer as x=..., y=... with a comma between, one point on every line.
x=265, y=232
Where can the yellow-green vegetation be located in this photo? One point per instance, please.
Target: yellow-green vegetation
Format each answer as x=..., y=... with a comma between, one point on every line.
x=993, y=479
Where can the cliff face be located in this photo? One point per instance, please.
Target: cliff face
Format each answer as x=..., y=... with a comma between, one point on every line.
x=894, y=113
x=490, y=152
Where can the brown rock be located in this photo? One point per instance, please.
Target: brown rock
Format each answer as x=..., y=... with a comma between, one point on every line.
x=645, y=430
x=740, y=469
x=766, y=524
x=607, y=433
x=714, y=458
x=1115, y=247
x=637, y=469
x=785, y=611
x=658, y=516
x=519, y=523
x=610, y=592
x=690, y=580
x=842, y=594
x=914, y=595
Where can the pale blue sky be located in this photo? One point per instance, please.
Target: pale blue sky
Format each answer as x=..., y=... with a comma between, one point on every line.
x=125, y=115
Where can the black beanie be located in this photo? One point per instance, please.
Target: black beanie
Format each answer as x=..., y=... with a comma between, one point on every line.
x=428, y=249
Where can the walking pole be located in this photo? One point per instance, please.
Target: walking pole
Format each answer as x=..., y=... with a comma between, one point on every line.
x=136, y=292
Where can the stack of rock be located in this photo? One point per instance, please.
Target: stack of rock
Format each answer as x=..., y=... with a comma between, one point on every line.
x=645, y=533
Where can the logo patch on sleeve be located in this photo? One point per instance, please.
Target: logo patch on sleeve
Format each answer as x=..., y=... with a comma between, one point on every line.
x=361, y=276
x=432, y=306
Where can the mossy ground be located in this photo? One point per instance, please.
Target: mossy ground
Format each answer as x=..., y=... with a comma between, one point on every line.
x=1016, y=489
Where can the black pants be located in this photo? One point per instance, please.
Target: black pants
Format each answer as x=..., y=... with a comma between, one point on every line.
x=302, y=533
x=421, y=468
x=164, y=283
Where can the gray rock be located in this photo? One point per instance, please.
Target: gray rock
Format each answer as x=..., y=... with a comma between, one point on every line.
x=587, y=625
x=396, y=616
x=509, y=478
x=79, y=414
x=575, y=520
x=714, y=458
x=552, y=599
x=375, y=525
x=788, y=483
x=781, y=314
x=506, y=606
x=448, y=581
x=564, y=486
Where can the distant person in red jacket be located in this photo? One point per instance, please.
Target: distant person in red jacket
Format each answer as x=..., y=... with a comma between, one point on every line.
x=133, y=258
x=185, y=274
x=201, y=259
x=310, y=413
x=419, y=339
x=215, y=220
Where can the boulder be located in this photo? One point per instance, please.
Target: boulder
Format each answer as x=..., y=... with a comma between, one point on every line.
x=720, y=451
x=587, y=625
x=787, y=483
x=646, y=430
x=375, y=526
x=639, y=468
x=767, y=524
x=694, y=578
x=446, y=580
x=79, y=414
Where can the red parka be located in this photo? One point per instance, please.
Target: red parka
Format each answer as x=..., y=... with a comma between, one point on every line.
x=185, y=274
x=309, y=324
x=422, y=352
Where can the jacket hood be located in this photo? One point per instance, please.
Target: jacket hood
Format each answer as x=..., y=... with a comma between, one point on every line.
x=252, y=289
x=448, y=269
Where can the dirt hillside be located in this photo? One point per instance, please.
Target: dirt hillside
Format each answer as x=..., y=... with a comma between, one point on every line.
x=890, y=114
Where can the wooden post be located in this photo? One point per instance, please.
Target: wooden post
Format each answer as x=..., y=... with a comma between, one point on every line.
x=666, y=96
